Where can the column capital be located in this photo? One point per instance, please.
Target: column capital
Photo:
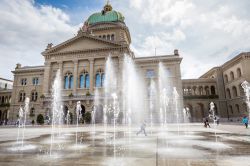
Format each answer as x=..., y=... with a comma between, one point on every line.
x=91, y=60
x=75, y=61
x=60, y=62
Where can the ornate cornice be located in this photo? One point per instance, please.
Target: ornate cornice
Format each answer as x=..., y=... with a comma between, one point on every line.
x=83, y=35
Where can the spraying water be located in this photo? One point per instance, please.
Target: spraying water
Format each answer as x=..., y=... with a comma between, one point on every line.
x=57, y=111
x=213, y=117
x=78, y=116
x=26, y=110
x=20, y=121
x=246, y=86
x=176, y=98
x=164, y=92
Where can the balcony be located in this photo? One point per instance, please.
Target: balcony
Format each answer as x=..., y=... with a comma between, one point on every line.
x=201, y=97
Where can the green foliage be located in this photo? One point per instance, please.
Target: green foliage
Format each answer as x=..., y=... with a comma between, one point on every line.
x=40, y=119
x=87, y=117
x=42, y=96
x=71, y=95
x=88, y=94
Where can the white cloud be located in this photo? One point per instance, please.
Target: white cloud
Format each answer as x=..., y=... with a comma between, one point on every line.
x=25, y=31
x=207, y=33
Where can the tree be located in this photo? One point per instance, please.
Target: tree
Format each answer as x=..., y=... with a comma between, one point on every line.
x=40, y=119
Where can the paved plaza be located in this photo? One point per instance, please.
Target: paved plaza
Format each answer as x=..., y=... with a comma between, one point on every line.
x=184, y=145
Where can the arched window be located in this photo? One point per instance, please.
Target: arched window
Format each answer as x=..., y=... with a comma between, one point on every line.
x=194, y=90
x=108, y=37
x=207, y=90
x=102, y=79
x=99, y=78
x=232, y=75
x=87, y=81
x=22, y=96
x=200, y=90
x=68, y=81
x=84, y=79
x=104, y=36
x=237, y=108
x=234, y=91
x=189, y=91
x=212, y=90
x=231, y=109
x=34, y=96
x=241, y=90
x=71, y=81
x=238, y=73
x=228, y=93
x=112, y=37
x=226, y=78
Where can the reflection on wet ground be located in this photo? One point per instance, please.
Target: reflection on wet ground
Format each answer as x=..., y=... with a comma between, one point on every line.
x=166, y=148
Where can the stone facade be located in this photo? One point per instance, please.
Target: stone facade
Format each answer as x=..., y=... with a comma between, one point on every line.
x=221, y=85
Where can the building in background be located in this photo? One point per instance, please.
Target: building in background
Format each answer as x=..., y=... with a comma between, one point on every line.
x=221, y=85
x=5, y=99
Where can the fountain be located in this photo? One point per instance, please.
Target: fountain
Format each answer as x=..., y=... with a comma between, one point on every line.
x=176, y=98
x=116, y=112
x=26, y=110
x=152, y=95
x=20, y=122
x=68, y=118
x=78, y=116
x=57, y=110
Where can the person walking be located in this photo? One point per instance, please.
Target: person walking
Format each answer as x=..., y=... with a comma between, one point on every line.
x=143, y=127
x=245, y=121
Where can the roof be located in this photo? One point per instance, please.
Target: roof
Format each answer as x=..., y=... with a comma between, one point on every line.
x=5, y=79
x=106, y=15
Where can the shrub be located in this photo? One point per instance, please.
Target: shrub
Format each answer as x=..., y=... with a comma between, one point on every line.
x=40, y=119
x=87, y=117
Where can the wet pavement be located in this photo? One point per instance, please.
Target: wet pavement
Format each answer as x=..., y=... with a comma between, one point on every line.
x=193, y=145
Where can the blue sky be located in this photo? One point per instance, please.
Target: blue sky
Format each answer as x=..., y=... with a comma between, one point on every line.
x=207, y=33
x=75, y=8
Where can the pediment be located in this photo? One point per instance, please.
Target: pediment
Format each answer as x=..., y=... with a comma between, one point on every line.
x=82, y=43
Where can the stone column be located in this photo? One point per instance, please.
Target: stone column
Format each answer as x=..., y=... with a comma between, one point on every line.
x=91, y=75
x=60, y=64
x=75, y=76
x=46, y=78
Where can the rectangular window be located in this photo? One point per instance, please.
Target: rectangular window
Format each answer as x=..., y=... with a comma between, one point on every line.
x=35, y=81
x=24, y=81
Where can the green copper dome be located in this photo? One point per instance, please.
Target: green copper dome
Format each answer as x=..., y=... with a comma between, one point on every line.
x=107, y=15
